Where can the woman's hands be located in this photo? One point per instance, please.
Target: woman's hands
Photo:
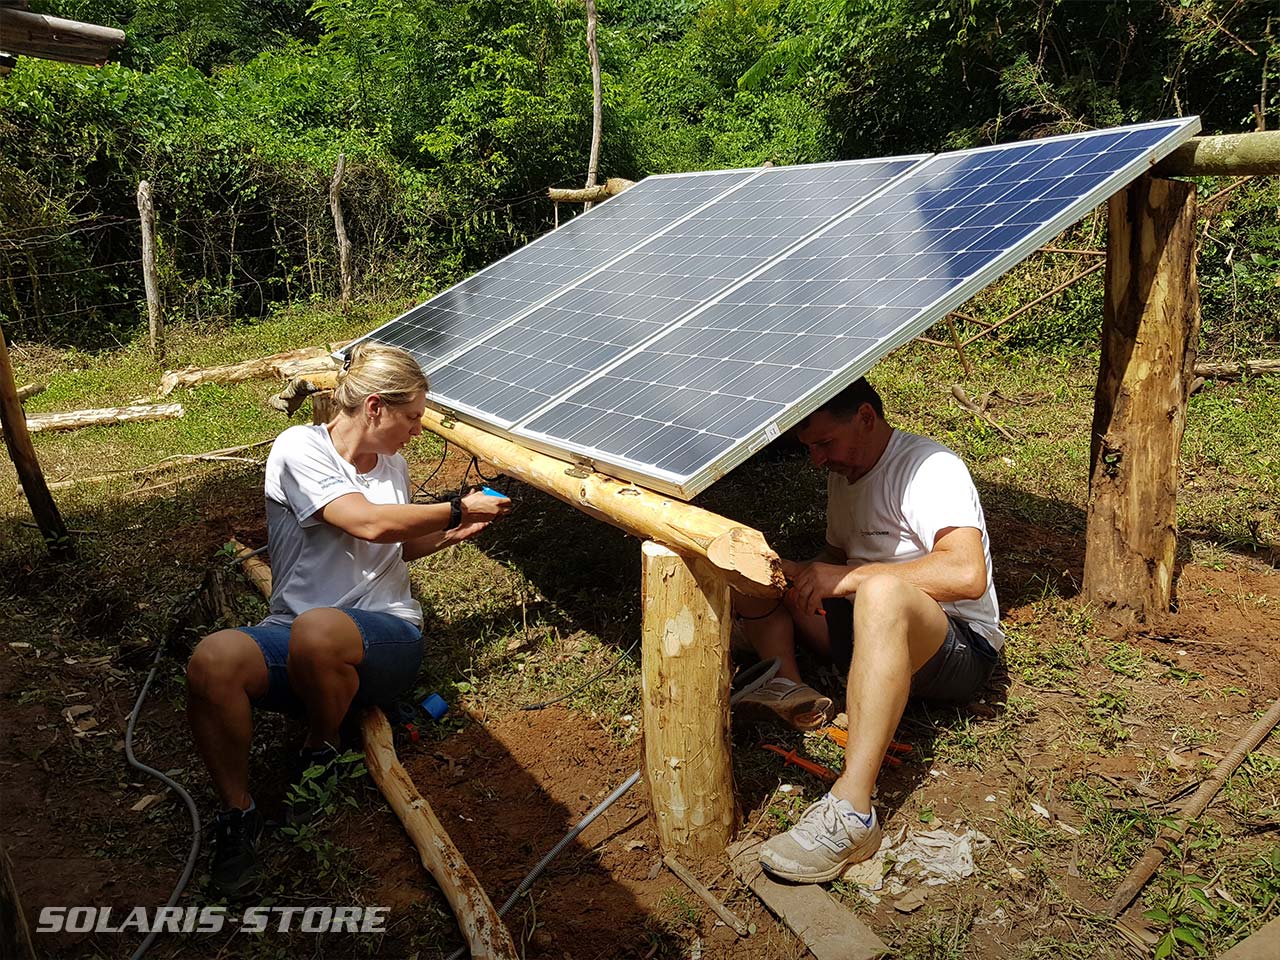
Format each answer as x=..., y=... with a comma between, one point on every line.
x=482, y=508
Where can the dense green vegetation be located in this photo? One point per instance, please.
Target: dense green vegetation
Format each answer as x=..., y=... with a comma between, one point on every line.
x=456, y=116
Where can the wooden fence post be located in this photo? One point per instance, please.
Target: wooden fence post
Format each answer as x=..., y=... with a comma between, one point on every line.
x=344, y=245
x=1149, y=335
x=151, y=280
x=685, y=697
x=13, y=421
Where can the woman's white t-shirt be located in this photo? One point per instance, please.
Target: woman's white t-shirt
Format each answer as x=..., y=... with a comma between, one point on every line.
x=313, y=563
x=894, y=512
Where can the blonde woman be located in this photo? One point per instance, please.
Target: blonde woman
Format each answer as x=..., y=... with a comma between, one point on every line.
x=343, y=627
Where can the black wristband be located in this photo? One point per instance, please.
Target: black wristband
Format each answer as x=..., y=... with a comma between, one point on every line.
x=455, y=512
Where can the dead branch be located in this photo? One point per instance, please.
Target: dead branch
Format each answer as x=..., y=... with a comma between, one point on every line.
x=610, y=188
x=690, y=881
x=1190, y=809
x=291, y=363
x=30, y=390
x=1036, y=302
x=962, y=398
x=1227, y=371
x=74, y=419
x=226, y=454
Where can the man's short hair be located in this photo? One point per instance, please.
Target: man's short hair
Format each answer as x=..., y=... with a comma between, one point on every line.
x=850, y=400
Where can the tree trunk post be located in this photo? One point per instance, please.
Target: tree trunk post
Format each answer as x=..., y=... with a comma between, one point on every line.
x=685, y=702
x=344, y=245
x=13, y=421
x=150, y=278
x=1150, y=331
x=597, y=99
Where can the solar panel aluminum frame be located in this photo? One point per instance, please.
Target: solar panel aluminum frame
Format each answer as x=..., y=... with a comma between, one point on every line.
x=487, y=420
x=688, y=486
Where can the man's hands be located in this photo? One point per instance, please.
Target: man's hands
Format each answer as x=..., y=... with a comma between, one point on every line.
x=813, y=582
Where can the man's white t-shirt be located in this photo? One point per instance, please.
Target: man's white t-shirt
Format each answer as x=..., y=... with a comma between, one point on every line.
x=894, y=512
x=313, y=563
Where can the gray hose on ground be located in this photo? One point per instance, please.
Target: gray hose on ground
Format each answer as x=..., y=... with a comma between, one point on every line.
x=754, y=676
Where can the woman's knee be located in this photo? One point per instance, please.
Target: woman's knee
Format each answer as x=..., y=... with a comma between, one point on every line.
x=224, y=662
x=324, y=635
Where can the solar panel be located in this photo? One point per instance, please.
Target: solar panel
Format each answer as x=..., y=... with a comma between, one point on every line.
x=463, y=314
x=674, y=330
x=685, y=408
x=552, y=348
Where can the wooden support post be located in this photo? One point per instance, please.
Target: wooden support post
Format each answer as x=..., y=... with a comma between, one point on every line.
x=685, y=697
x=1149, y=335
x=322, y=407
x=344, y=245
x=150, y=278
x=13, y=421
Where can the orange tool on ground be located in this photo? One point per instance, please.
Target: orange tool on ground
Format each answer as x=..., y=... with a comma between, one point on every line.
x=896, y=749
x=790, y=756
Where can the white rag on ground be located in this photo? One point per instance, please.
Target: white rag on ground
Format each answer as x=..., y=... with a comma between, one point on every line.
x=942, y=856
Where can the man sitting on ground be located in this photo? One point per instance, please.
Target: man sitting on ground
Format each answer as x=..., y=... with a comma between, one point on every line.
x=902, y=596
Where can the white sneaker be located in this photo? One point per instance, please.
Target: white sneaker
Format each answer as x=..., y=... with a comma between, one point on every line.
x=828, y=837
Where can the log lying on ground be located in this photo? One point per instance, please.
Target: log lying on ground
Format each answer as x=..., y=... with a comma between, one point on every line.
x=1237, y=154
x=484, y=930
x=74, y=419
x=486, y=935
x=1226, y=371
x=610, y=188
x=291, y=363
x=30, y=390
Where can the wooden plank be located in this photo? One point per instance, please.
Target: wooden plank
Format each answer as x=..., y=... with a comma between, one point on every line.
x=830, y=931
x=1264, y=944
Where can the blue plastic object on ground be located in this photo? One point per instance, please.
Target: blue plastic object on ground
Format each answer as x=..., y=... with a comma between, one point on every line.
x=436, y=706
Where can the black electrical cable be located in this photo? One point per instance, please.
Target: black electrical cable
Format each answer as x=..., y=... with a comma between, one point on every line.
x=423, y=485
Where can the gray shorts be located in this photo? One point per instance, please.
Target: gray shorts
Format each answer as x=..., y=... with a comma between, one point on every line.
x=956, y=673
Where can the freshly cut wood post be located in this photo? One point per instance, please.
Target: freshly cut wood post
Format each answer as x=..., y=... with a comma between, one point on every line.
x=684, y=668
x=74, y=419
x=150, y=278
x=740, y=554
x=17, y=438
x=484, y=930
x=292, y=363
x=1237, y=154
x=322, y=406
x=610, y=188
x=1149, y=334
x=344, y=245
x=1225, y=371
x=486, y=934
x=1191, y=808
x=30, y=390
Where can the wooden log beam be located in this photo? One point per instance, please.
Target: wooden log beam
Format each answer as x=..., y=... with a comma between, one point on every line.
x=483, y=929
x=1149, y=334
x=17, y=438
x=1245, y=368
x=684, y=668
x=30, y=34
x=1233, y=155
x=610, y=188
x=485, y=933
x=740, y=554
x=75, y=419
x=291, y=363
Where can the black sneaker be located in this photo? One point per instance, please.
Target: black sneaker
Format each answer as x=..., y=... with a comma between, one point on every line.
x=312, y=776
x=233, y=861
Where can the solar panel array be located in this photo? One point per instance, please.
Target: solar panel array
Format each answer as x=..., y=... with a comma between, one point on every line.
x=707, y=313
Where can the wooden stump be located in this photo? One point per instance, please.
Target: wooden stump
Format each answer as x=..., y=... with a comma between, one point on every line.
x=1149, y=335
x=685, y=692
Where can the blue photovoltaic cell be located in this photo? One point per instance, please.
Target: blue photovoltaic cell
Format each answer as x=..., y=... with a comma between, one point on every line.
x=568, y=338
x=769, y=350
x=471, y=310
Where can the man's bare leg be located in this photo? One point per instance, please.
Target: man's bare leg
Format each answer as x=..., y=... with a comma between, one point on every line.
x=897, y=628
x=771, y=628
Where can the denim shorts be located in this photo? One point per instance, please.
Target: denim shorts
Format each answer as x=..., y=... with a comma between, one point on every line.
x=392, y=656
x=956, y=673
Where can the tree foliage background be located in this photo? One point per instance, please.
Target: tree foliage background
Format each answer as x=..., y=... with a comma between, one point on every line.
x=456, y=116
